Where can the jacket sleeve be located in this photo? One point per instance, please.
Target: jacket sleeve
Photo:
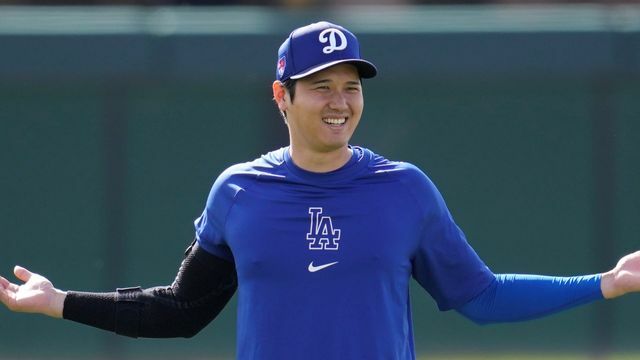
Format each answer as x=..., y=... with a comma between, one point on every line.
x=512, y=297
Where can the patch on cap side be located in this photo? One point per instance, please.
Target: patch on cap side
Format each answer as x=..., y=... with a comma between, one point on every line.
x=282, y=63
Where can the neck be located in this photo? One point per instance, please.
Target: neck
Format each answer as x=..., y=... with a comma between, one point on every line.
x=320, y=162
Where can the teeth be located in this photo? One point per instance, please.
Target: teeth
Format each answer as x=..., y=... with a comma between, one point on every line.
x=334, y=121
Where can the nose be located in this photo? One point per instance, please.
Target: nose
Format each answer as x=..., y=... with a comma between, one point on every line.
x=338, y=101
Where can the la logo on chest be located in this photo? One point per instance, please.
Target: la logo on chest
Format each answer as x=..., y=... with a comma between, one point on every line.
x=322, y=235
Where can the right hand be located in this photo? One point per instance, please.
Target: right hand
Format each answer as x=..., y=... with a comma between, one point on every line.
x=36, y=295
x=624, y=278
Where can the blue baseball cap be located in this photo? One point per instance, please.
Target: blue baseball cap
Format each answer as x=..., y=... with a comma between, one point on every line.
x=317, y=46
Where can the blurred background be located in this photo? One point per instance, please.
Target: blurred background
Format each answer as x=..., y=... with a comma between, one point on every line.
x=116, y=117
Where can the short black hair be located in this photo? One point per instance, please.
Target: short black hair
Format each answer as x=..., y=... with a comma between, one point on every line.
x=290, y=85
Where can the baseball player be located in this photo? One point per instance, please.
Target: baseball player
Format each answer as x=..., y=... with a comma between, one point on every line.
x=321, y=239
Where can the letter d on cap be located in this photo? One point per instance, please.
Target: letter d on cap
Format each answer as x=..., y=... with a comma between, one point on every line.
x=332, y=40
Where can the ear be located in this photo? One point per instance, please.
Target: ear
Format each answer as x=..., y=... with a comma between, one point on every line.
x=279, y=95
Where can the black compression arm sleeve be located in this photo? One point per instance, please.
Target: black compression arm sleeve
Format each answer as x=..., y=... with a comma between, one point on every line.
x=203, y=286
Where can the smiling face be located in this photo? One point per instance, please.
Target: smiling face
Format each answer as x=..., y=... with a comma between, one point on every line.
x=324, y=114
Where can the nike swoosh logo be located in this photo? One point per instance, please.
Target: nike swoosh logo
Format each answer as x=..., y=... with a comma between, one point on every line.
x=320, y=267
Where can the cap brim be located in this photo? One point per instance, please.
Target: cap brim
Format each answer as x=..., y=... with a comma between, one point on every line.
x=365, y=69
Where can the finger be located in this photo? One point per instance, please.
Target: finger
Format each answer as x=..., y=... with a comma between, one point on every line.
x=7, y=285
x=4, y=283
x=4, y=294
x=22, y=273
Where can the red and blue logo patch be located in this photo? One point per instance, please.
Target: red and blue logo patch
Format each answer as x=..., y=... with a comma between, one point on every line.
x=282, y=63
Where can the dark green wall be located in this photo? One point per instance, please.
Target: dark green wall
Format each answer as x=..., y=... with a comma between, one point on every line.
x=110, y=142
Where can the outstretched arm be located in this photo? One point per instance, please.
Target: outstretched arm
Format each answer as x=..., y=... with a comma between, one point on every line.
x=36, y=295
x=203, y=286
x=517, y=297
x=514, y=297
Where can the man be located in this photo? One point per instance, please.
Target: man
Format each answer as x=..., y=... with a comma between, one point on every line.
x=321, y=239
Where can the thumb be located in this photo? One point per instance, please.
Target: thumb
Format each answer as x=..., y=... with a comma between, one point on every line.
x=22, y=273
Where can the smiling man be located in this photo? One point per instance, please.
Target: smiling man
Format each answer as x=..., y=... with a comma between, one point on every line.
x=321, y=67
x=321, y=239
x=327, y=109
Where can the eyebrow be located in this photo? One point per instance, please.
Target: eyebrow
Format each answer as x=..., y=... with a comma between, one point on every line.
x=322, y=81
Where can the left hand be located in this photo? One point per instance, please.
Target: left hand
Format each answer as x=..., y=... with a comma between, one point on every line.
x=622, y=279
x=36, y=295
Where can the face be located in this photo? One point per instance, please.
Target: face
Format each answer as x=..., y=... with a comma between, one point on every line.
x=326, y=109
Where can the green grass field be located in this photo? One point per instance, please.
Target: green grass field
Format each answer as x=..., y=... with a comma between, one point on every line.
x=513, y=356
x=530, y=357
